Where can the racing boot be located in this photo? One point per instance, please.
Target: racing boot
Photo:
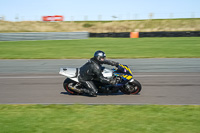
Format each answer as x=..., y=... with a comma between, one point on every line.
x=89, y=92
x=93, y=94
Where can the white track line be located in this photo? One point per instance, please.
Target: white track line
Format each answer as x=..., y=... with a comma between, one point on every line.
x=185, y=75
x=30, y=77
x=50, y=77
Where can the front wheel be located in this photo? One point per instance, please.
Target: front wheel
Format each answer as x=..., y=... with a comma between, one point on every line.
x=133, y=87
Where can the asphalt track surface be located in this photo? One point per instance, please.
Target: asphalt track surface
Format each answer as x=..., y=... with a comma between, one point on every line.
x=164, y=81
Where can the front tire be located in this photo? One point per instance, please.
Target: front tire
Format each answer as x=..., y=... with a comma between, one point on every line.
x=66, y=87
x=134, y=87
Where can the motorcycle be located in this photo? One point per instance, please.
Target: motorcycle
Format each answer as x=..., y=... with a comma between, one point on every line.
x=122, y=75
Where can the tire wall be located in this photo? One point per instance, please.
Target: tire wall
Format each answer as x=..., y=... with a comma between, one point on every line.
x=148, y=34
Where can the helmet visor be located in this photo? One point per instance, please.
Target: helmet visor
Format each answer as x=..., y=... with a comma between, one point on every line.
x=102, y=58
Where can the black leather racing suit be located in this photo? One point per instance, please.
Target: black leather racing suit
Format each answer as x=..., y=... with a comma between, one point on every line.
x=92, y=70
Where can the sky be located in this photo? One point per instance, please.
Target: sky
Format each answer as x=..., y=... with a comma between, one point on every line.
x=83, y=10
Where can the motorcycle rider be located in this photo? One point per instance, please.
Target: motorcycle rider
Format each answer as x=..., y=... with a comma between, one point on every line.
x=92, y=70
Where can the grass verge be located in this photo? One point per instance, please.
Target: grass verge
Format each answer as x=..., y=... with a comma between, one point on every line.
x=183, y=47
x=100, y=118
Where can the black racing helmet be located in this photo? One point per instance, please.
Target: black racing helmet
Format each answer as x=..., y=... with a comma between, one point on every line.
x=99, y=56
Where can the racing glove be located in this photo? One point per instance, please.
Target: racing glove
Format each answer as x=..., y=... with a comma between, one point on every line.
x=113, y=63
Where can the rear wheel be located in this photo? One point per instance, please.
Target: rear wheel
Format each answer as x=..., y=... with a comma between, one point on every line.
x=66, y=86
x=132, y=88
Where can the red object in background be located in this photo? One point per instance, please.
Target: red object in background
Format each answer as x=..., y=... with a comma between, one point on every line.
x=53, y=18
x=58, y=18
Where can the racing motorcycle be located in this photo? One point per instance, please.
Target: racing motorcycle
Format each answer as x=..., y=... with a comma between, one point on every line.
x=122, y=75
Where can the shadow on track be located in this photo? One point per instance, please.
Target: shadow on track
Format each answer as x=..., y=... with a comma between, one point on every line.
x=99, y=94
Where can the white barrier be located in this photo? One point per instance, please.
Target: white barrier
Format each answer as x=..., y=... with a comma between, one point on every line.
x=43, y=36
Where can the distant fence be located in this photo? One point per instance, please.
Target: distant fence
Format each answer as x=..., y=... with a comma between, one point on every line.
x=111, y=34
x=43, y=36
x=85, y=35
x=170, y=34
x=149, y=34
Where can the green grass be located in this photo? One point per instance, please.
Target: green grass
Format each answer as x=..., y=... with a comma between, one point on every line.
x=99, y=118
x=183, y=47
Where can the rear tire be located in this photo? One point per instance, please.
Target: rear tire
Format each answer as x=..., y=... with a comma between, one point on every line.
x=65, y=85
x=134, y=88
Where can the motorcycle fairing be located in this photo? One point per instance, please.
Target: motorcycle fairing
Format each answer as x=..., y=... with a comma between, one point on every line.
x=126, y=68
x=126, y=72
x=70, y=73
